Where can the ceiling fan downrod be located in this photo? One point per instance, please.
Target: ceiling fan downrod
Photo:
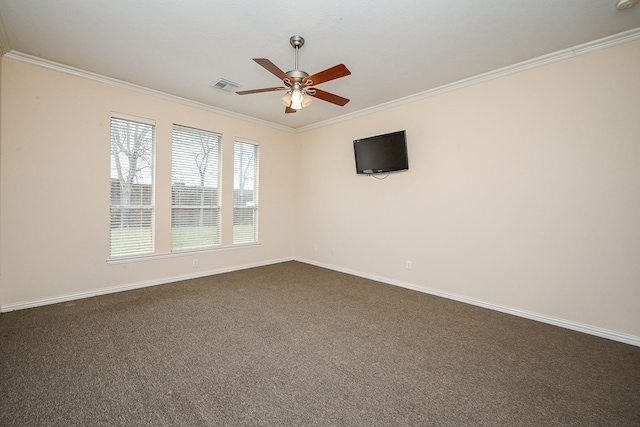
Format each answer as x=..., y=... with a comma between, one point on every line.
x=297, y=42
x=296, y=76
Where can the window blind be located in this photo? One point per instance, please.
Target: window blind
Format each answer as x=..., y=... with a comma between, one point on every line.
x=245, y=192
x=131, y=205
x=195, y=175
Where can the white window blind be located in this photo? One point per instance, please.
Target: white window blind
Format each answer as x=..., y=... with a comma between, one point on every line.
x=131, y=207
x=245, y=192
x=195, y=174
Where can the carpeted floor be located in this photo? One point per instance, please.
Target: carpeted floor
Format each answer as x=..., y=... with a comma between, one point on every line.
x=296, y=345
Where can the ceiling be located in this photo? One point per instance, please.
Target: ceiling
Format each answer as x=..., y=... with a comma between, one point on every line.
x=393, y=48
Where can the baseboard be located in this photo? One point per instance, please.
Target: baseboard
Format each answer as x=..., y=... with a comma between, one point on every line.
x=131, y=286
x=563, y=323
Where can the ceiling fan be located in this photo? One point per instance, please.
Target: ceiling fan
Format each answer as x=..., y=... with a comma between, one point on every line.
x=299, y=84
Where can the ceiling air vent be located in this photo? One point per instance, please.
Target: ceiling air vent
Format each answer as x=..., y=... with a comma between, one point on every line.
x=225, y=84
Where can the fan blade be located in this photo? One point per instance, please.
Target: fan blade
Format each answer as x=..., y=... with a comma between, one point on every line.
x=288, y=110
x=266, y=89
x=332, y=73
x=329, y=97
x=272, y=68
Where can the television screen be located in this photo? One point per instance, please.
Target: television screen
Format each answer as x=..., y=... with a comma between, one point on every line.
x=381, y=153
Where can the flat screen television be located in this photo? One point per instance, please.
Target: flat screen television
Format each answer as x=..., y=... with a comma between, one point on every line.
x=381, y=153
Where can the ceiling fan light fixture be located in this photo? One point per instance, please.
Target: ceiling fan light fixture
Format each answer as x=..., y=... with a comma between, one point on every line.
x=296, y=99
x=286, y=99
x=296, y=96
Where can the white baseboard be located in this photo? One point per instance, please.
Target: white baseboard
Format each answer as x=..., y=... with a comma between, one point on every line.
x=131, y=286
x=563, y=323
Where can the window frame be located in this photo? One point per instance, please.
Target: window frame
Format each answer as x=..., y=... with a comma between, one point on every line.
x=128, y=251
x=254, y=209
x=188, y=132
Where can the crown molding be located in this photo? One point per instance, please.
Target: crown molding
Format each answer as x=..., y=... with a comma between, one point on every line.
x=30, y=59
x=606, y=42
x=4, y=40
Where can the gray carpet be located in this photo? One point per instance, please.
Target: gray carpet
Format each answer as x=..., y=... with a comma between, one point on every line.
x=296, y=345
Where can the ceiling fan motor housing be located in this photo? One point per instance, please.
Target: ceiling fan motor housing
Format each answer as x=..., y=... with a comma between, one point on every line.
x=297, y=75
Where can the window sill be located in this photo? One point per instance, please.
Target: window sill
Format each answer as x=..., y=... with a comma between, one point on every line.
x=177, y=254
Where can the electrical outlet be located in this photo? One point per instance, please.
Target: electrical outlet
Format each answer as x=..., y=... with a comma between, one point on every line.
x=195, y=262
x=409, y=265
x=331, y=251
x=315, y=248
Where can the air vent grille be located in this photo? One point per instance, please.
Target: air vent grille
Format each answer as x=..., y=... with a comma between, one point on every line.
x=225, y=84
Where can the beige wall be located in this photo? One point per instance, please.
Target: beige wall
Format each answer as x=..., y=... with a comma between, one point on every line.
x=523, y=192
x=55, y=186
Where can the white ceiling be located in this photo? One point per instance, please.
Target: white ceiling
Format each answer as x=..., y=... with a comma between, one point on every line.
x=394, y=48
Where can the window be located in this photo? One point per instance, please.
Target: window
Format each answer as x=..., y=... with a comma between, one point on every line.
x=131, y=207
x=195, y=171
x=245, y=192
